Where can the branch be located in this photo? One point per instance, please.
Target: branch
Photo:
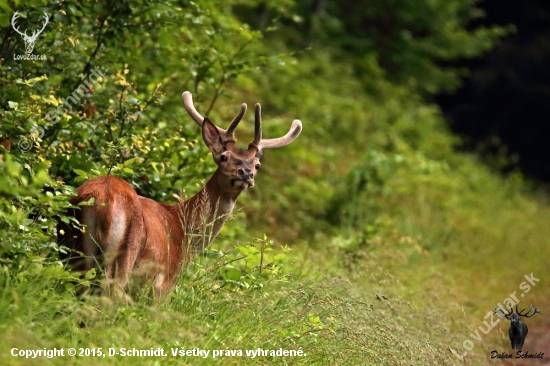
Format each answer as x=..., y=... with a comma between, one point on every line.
x=223, y=77
x=99, y=42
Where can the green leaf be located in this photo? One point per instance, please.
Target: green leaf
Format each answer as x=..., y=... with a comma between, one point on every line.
x=232, y=274
x=81, y=173
x=131, y=161
x=91, y=274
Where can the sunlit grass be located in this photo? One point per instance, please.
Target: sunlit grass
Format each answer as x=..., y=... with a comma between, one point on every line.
x=353, y=311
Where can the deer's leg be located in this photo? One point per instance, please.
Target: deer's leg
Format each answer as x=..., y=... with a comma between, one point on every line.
x=125, y=241
x=90, y=240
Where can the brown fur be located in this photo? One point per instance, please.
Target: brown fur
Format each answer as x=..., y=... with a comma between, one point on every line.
x=127, y=234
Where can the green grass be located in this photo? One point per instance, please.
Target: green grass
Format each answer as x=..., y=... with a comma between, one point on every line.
x=399, y=250
x=362, y=319
x=400, y=245
x=407, y=288
x=404, y=282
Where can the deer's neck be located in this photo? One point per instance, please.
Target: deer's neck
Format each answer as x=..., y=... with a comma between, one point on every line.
x=205, y=213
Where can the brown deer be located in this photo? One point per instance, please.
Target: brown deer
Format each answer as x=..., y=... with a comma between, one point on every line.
x=126, y=233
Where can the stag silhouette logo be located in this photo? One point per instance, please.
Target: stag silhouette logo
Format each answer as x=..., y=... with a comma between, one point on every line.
x=518, y=329
x=29, y=40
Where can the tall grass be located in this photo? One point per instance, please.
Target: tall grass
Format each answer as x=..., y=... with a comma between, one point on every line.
x=349, y=309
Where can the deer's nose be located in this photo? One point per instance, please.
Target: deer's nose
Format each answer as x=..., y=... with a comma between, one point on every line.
x=245, y=173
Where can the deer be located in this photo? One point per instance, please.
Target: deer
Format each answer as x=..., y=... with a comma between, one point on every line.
x=518, y=329
x=29, y=40
x=127, y=235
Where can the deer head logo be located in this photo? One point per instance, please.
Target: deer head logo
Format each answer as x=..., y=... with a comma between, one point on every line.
x=29, y=40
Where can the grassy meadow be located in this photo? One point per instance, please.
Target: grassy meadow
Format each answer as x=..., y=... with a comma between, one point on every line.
x=368, y=241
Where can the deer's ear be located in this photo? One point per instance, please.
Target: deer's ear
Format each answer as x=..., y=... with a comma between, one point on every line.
x=211, y=137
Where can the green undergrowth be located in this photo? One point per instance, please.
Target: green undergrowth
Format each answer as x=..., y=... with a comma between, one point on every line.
x=361, y=315
x=389, y=247
x=459, y=231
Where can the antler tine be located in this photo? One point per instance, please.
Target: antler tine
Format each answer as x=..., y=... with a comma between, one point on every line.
x=46, y=20
x=13, y=19
x=257, y=127
x=527, y=315
x=501, y=313
x=188, y=103
x=290, y=136
x=227, y=135
x=231, y=130
x=37, y=32
x=498, y=312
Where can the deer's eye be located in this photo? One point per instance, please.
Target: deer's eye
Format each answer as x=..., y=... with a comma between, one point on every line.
x=223, y=158
x=258, y=166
